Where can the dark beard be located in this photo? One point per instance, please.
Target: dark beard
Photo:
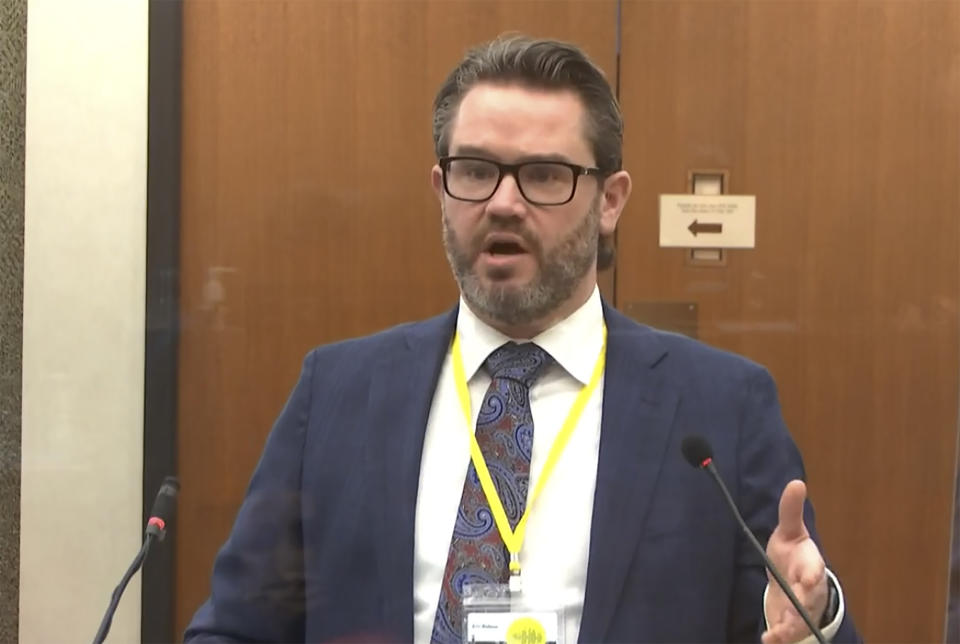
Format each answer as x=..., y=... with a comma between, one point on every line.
x=559, y=271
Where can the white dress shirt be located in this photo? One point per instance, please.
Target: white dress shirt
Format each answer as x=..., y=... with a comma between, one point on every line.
x=554, y=570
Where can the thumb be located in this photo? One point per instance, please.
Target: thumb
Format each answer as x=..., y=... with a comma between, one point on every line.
x=791, y=511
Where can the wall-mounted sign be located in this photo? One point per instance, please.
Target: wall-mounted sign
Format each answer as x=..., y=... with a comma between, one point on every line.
x=708, y=221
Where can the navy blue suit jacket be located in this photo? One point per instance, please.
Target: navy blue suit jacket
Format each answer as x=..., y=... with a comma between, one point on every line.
x=323, y=545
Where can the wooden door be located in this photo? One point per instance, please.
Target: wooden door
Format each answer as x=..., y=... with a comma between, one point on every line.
x=307, y=214
x=843, y=118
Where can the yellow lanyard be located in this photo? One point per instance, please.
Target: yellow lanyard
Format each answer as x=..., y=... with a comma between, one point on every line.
x=514, y=538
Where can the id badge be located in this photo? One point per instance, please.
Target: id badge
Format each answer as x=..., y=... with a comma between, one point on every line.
x=492, y=614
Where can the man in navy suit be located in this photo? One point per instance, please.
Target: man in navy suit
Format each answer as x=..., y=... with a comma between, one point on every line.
x=376, y=460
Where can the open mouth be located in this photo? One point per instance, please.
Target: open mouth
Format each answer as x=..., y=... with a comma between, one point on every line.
x=505, y=248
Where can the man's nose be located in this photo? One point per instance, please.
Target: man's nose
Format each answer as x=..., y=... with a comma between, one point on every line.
x=507, y=199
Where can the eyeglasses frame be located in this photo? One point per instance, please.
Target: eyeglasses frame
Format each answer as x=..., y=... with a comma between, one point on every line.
x=513, y=169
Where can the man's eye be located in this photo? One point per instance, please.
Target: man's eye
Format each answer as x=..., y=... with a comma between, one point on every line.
x=542, y=173
x=480, y=172
x=475, y=170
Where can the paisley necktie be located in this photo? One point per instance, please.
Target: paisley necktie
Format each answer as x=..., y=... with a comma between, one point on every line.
x=505, y=435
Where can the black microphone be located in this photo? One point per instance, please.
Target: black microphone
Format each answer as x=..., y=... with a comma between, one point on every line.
x=697, y=451
x=163, y=509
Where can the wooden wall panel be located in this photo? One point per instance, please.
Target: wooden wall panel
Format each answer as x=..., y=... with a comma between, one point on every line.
x=306, y=209
x=843, y=118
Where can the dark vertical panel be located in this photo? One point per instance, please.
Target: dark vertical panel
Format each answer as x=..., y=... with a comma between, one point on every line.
x=13, y=59
x=163, y=257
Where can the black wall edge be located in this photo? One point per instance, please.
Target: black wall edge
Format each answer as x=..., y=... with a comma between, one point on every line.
x=162, y=305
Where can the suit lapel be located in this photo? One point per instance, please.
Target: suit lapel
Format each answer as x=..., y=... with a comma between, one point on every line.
x=401, y=393
x=638, y=412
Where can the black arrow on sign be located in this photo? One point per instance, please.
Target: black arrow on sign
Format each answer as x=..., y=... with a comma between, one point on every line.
x=697, y=227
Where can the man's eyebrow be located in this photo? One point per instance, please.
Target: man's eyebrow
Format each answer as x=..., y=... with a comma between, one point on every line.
x=472, y=150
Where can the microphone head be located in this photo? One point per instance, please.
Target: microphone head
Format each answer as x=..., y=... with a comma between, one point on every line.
x=696, y=449
x=166, y=502
x=170, y=485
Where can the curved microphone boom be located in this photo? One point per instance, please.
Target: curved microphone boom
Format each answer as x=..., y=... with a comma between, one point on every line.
x=697, y=451
x=163, y=509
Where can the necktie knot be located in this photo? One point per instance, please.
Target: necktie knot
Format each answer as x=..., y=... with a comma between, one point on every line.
x=520, y=362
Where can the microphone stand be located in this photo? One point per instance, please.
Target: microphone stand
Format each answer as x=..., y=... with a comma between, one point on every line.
x=804, y=615
x=118, y=591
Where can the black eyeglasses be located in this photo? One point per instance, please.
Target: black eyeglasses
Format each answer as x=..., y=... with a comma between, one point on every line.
x=542, y=183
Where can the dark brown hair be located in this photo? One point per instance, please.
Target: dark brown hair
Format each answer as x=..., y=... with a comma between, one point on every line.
x=544, y=64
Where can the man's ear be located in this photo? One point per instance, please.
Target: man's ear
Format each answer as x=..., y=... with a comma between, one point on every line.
x=436, y=181
x=616, y=191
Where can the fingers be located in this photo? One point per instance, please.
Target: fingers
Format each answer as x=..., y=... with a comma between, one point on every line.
x=781, y=631
x=775, y=635
x=789, y=628
x=792, y=550
x=807, y=571
x=812, y=573
x=791, y=511
x=786, y=625
x=783, y=634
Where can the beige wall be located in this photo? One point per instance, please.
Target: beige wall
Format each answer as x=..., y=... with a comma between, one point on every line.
x=83, y=329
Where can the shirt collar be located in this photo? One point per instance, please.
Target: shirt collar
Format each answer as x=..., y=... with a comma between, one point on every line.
x=574, y=342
